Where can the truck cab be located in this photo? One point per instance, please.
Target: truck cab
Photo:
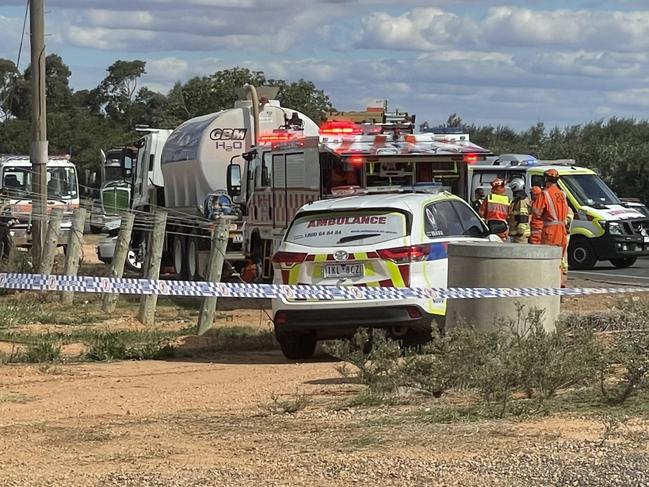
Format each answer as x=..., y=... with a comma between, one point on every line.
x=16, y=194
x=114, y=191
x=604, y=227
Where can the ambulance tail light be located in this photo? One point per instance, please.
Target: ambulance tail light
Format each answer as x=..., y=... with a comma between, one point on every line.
x=404, y=255
x=340, y=128
x=471, y=158
x=289, y=259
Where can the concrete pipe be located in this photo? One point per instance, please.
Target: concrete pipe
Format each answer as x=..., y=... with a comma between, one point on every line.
x=489, y=264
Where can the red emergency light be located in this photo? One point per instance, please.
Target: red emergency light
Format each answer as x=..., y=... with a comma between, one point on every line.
x=471, y=158
x=275, y=137
x=340, y=127
x=356, y=160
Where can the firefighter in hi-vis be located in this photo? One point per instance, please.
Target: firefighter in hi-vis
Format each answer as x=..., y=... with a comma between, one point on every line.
x=496, y=206
x=551, y=207
x=536, y=224
x=519, y=212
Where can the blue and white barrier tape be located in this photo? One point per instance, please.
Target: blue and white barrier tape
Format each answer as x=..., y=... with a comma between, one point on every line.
x=91, y=284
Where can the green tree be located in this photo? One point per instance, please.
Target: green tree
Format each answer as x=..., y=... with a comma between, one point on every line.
x=8, y=77
x=118, y=90
x=57, y=88
x=151, y=108
x=303, y=96
x=208, y=94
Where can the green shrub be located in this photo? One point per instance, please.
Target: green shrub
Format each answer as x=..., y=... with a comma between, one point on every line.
x=115, y=346
x=376, y=358
x=628, y=350
x=46, y=349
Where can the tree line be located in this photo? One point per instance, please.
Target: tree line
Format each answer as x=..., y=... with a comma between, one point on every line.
x=81, y=122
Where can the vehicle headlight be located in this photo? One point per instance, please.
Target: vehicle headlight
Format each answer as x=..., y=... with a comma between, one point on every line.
x=614, y=228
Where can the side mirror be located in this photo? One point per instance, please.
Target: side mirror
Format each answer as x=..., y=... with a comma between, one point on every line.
x=250, y=155
x=234, y=180
x=497, y=226
x=126, y=163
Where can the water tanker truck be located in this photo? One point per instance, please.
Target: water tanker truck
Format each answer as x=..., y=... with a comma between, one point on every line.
x=184, y=172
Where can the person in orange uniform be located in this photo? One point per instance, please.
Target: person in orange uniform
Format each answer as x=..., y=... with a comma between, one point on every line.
x=552, y=208
x=496, y=206
x=536, y=224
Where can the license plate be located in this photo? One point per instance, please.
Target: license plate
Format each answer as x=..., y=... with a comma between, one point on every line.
x=343, y=270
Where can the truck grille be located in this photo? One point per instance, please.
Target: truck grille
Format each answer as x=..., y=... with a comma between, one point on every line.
x=636, y=227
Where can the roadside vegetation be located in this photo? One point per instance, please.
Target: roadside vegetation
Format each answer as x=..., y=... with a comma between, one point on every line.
x=37, y=328
x=518, y=369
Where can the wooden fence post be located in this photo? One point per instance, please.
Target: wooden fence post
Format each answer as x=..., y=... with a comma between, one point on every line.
x=215, y=270
x=122, y=248
x=51, y=241
x=75, y=244
x=151, y=268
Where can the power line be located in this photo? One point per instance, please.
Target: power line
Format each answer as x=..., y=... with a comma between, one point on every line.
x=20, y=50
x=22, y=36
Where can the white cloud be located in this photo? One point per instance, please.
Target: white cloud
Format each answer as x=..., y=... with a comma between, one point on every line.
x=513, y=27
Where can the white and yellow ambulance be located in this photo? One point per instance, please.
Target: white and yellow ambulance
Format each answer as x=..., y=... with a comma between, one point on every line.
x=604, y=228
x=377, y=240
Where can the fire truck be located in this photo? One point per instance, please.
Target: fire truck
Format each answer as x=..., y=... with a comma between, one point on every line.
x=345, y=158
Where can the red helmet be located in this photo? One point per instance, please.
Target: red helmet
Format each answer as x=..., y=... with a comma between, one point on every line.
x=551, y=174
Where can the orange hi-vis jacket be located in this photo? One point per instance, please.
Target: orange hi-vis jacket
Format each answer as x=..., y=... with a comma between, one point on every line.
x=496, y=207
x=552, y=208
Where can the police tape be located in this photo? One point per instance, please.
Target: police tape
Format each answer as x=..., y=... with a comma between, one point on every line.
x=123, y=285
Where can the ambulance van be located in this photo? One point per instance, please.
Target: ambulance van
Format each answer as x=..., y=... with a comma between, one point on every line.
x=604, y=228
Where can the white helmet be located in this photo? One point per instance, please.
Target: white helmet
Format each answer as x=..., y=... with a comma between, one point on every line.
x=517, y=184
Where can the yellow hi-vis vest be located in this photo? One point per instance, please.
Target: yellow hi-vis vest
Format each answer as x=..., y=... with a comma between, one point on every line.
x=519, y=218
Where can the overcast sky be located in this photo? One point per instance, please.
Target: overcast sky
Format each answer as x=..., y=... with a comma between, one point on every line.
x=502, y=63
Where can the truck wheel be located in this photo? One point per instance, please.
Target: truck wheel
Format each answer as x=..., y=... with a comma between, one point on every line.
x=258, y=259
x=296, y=346
x=192, y=258
x=624, y=262
x=581, y=255
x=133, y=262
x=179, y=256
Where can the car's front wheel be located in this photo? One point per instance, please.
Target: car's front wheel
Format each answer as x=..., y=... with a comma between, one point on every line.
x=581, y=255
x=296, y=346
x=624, y=262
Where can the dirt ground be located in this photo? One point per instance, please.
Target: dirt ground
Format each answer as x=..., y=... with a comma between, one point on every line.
x=208, y=423
x=218, y=421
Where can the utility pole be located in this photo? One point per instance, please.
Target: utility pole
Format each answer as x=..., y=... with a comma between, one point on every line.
x=39, y=145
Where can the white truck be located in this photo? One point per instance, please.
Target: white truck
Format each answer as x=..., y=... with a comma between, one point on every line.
x=344, y=158
x=16, y=194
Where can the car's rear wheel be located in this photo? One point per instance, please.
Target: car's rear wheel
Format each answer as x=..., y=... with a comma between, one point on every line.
x=624, y=262
x=296, y=346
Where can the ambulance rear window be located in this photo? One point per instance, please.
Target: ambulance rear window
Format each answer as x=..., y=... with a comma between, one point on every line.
x=347, y=228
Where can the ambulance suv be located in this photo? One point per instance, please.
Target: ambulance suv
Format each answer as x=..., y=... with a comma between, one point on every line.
x=378, y=240
x=604, y=228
